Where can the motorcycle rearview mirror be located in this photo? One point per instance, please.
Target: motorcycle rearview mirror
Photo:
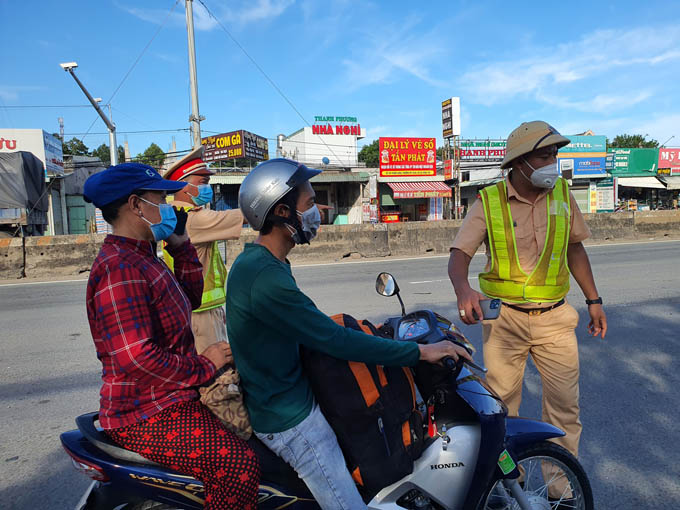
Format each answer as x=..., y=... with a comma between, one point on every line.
x=386, y=285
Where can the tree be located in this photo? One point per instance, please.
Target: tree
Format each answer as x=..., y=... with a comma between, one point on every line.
x=632, y=142
x=103, y=153
x=152, y=156
x=75, y=147
x=369, y=154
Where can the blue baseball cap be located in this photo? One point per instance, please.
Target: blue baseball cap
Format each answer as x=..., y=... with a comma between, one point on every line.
x=121, y=180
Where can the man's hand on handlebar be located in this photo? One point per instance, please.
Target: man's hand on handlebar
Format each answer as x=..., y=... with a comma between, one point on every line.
x=434, y=353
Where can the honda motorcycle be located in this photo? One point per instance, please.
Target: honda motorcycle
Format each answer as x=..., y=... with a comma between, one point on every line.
x=476, y=457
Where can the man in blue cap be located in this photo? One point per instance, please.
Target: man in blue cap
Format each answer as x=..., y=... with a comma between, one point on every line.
x=140, y=319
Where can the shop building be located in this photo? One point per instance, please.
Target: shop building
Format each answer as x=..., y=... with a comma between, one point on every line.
x=48, y=149
x=583, y=162
x=329, y=142
x=413, y=198
x=410, y=187
x=639, y=188
x=342, y=191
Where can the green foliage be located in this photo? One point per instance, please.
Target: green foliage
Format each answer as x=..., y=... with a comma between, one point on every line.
x=75, y=147
x=369, y=154
x=152, y=156
x=103, y=153
x=632, y=142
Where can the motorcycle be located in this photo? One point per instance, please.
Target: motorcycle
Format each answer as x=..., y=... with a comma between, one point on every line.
x=476, y=457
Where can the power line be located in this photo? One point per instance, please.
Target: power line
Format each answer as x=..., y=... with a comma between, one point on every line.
x=134, y=64
x=143, y=51
x=129, y=132
x=276, y=87
x=48, y=106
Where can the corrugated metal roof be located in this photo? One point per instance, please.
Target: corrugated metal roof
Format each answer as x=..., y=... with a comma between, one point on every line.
x=341, y=177
x=640, y=182
x=227, y=179
x=322, y=177
x=672, y=183
x=480, y=182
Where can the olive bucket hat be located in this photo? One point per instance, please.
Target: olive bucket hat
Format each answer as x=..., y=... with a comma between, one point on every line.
x=530, y=136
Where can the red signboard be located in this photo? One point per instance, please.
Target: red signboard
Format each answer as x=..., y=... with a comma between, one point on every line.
x=670, y=158
x=448, y=170
x=407, y=157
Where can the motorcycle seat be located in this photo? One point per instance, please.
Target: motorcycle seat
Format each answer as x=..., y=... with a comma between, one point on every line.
x=87, y=427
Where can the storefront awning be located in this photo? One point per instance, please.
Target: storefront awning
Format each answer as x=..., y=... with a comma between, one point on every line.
x=640, y=182
x=432, y=189
x=480, y=183
x=672, y=183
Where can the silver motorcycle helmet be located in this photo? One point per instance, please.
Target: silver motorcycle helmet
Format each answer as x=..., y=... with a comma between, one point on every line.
x=268, y=183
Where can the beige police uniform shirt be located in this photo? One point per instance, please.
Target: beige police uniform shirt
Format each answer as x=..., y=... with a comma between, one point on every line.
x=530, y=223
x=205, y=226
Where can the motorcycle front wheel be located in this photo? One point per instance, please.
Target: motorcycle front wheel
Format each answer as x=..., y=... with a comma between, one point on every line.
x=551, y=478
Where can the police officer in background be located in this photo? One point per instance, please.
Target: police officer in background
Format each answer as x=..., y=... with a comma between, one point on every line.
x=533, y=231
x=205, y=228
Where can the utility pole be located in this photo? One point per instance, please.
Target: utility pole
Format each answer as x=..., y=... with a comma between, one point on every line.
x=457, y=175
x=113, y=147
x=195, y=117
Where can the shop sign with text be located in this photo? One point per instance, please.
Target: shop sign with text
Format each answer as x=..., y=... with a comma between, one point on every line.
x=335, y=125
x=451, y=117
x=44, y=146
x=669, y=159
x=448, y=170
x=605, y=194
x=582, y=143
x=235, y=145
x=482, y=150
x=584, y=166
x=407, y=157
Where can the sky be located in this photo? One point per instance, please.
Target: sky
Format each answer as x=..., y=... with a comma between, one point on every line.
x=270, y=66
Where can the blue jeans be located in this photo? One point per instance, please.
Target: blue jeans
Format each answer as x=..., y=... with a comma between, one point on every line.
x=312, y=450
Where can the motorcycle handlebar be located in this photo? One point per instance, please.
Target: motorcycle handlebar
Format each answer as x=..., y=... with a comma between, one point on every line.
x=451, y=364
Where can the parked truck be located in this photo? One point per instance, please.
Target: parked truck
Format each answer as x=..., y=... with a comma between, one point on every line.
x=23, y=195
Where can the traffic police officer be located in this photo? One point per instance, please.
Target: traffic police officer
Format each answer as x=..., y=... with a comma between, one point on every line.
x=205, y=227
x=533, y=232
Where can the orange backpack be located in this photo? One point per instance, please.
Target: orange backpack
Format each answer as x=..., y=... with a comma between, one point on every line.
x=372, y=410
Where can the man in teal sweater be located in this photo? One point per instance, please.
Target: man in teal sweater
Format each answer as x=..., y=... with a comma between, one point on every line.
x=268, y=318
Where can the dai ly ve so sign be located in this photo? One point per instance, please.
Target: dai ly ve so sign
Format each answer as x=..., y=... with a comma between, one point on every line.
x=407, y=157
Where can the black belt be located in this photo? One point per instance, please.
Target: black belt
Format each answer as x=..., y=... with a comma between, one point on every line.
x=535, y=311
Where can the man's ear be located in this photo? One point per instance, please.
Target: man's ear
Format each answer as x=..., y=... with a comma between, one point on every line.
x=134, y=204
x=282, y=210
x=520, y=165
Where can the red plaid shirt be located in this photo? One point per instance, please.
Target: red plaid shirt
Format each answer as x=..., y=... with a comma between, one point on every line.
x=140, y=319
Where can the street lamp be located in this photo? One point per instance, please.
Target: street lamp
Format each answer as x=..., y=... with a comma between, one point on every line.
x=113, y=146
x=663, y=144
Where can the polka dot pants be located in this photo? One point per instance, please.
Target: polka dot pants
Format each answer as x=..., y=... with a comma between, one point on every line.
x=188, y=438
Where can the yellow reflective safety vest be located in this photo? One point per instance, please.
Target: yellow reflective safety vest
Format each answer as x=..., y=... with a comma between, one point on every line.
x=214, y=281
x=506, y=280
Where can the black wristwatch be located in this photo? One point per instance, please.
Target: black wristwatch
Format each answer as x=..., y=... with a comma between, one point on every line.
x=597, y=301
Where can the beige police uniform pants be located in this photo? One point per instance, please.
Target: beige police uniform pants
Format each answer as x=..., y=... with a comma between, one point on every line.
x=209, y=327
x=551, y=341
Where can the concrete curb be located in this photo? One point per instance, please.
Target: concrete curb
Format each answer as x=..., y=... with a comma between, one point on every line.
x=71, y=255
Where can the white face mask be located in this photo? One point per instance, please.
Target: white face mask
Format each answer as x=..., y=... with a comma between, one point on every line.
x=309, y=223
x=543, y=177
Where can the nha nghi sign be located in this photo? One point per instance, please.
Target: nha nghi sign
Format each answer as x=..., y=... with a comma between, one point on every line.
x=322, y=126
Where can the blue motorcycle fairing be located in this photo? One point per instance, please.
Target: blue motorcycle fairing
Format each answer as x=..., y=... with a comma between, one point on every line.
x=137, y=482
x=129, y=482
x=523, y=431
